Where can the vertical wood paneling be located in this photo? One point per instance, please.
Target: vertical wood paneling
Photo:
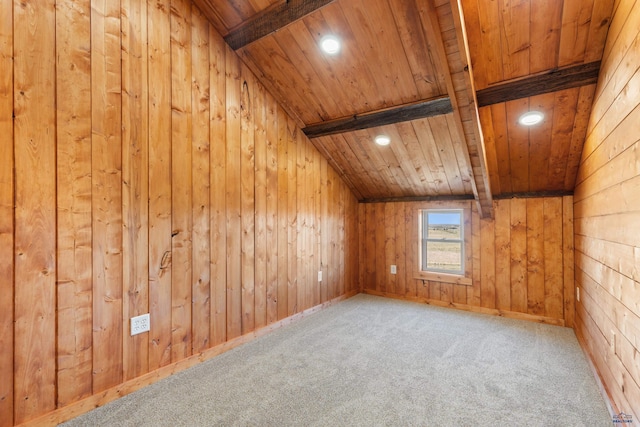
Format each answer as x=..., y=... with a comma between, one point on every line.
x=6, y=211
x=260, y=210
x=553, y=258
x=233, y=177
x=516, y=262
x=292, y=214
x=324, y=229
x=390, y=246
x=283, y=220
x=474, y=291
x=142, y=186
x=304, y=207
x=519, y=255
x=339, y=264
x=200, y=160
x=218, y=187
x=160, y=230
x=331, y=238
x=314, y=266
x=248, y=201
x=73, y=96
x=568, y=251
x=411, y=242
x=381, y=267
x=181, y=181
x=35, y=201
x=35, y=217
x=487, y=264
x=272, y=246
x=301, y=248
x=135, y=183
x=106, y=193
x=535, y=256
x=503, y=254
x=401, y=250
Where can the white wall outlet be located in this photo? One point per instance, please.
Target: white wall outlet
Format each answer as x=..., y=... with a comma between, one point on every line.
x=320, y=276
x=140, y=324
x=578, y=294
x=394, y=269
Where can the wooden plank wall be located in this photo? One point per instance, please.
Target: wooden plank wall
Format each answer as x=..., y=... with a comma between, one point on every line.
x=6, y=211
x=607, y=218
x=147, y=170
x=521, y=261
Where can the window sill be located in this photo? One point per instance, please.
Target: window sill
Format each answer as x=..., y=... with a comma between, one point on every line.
x=444, y=277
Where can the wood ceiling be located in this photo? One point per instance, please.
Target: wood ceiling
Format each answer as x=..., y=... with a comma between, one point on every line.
x=446, y=79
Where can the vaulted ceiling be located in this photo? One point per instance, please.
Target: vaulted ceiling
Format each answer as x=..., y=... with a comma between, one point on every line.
x=446, y=80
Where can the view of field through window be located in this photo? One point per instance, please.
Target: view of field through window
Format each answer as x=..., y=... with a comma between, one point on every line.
x=442, y=241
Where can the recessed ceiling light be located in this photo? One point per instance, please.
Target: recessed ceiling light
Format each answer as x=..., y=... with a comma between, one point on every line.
x=531, y=118
x=383, y=140
x=330, y=44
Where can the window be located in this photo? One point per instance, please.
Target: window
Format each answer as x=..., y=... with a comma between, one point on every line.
x=442, y=241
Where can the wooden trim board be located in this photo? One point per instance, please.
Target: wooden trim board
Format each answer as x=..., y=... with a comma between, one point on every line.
x=465, y=307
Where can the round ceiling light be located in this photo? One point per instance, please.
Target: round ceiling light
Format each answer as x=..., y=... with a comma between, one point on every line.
x=382, y=140
x=531, y=118
x=330, y=45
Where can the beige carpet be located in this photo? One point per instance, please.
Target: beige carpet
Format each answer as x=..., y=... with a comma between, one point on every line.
x=372, y=361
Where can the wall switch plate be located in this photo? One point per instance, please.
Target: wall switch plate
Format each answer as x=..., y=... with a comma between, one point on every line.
x=578, y=294
x=394, y=269
x=140, y=324
x=320, y=276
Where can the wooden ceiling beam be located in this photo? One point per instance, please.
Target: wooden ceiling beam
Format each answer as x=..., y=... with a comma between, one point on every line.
x=271, y=20
x=549, y=81
x=450, y=198
x=402, y=113
x=455, y=62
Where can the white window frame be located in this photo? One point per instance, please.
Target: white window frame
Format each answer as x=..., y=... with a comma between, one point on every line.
x=424, y=227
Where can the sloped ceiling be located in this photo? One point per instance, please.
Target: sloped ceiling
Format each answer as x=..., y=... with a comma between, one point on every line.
x=445, y=80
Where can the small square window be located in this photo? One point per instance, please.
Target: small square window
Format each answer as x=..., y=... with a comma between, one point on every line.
x=442, y=241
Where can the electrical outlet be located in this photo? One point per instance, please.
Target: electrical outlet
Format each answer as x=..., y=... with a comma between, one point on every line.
x=320, y=276
x=578, y=294
x=394, y=269
x=140, y=324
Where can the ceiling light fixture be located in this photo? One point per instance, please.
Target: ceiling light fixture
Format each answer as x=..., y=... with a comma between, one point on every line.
x=330, y=45
x=531, y=118
x=383, y=140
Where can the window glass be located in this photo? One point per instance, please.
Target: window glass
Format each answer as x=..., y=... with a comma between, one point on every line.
x=443, y=241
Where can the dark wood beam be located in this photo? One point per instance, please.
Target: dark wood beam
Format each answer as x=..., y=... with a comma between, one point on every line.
x=550, y=81
x=450, y=198
x=403, y=113
x=272, y=19
x=533, y=194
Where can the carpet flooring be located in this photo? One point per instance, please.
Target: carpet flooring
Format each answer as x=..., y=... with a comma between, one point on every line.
x=371, y=361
